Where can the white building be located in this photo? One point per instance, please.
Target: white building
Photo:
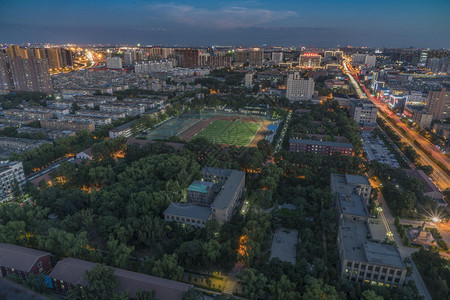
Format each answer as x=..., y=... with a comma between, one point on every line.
x=277, y=57
x=364, y=59
x=249, y=80
x=299, y=88
x=310, y=60
x=10, y=173
x=114, y=63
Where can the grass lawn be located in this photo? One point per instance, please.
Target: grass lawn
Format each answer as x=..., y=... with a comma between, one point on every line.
x=229, y=132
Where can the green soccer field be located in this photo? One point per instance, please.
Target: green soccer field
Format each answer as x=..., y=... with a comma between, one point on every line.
x=229, y=132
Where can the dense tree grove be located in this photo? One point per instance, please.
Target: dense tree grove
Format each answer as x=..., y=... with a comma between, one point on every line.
x=110, y=211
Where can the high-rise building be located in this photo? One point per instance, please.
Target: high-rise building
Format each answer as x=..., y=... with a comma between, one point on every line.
x=248, y=80
x=277, y=57
x=299, y=88
x=128, y=58
x=364, y=59
x=54, y=58
x=29, y=74
x=438, y=104
x=310, y=60
x=188, y=58
x=114, y=63
x=423, y=57
x=253, y=57
x=6, y=81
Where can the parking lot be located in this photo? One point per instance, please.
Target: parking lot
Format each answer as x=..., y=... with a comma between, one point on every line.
x=284, y=245
x=377, y=150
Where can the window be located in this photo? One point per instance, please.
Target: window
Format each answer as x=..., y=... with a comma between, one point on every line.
x=377, y=269
x=40, y=264
x=391, y=272
x=370, y=268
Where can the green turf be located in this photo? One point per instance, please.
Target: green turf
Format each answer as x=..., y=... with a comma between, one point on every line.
x=229, y=132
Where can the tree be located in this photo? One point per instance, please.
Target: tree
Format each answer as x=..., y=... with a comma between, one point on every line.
x=371, y=295
x=253, y=284
x=145, y=295
x=101, y=283
x=283, y=289
x=316, y=289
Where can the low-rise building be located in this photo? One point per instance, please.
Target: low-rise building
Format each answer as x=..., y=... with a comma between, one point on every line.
x=226, y=185
x=364, y=112
x=348, y=184
x=15, y=121
x=200, y=192
x=97, y=120
x=33, y=115
x=363, y=257
x=85, y=154
x=125, y=130
x=68, y=125
x=128, y=108
x=69, y=272
x=46, y=110
x=21, y=261
x=19, y=144
x=97, y=113
x=320, y=147
x=52, y=134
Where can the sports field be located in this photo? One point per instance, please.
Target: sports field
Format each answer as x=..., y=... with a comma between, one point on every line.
x=229, y=132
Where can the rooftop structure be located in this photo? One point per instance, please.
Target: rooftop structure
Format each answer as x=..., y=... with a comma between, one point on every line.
x=24, y=260
x=71, y=271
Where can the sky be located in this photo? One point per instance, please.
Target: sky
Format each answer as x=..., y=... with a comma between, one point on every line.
x=316, y=23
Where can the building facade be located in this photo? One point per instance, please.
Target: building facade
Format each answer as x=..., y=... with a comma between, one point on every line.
x=438, y=104
x=298, y=88
x=320, y=147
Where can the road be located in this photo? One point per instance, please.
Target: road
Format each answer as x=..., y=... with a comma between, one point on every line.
x=404, y=251
x=439, y=177
x=283, y=132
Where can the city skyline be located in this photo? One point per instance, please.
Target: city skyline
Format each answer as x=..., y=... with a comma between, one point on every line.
x=200, y=23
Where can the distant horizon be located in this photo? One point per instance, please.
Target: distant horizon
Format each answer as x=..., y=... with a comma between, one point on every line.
x=384, y=24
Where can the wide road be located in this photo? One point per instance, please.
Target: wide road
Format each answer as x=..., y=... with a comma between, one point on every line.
x=440, y=178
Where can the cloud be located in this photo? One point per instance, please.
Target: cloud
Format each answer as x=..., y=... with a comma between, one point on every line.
x=222, y=18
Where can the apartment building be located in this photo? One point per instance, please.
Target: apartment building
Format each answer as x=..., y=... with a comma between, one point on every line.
x=68, y=125
x=19, y=144
x=97, y=113
x=127, y=108
x=10, y=173
x=32, y=115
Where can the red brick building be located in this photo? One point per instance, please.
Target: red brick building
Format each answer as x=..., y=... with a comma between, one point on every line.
x=22, y=261
x=320, y=147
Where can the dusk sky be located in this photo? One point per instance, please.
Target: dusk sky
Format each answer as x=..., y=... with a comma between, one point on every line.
x=322, y=23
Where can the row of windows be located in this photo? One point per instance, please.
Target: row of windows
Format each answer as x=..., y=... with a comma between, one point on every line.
x=181, y=219
x=369, y=275
x=370, y=268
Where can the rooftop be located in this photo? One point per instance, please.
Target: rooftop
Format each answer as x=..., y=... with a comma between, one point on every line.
x=123, y=127
x=200, y=186
x=18, y=257
x=189, y=211
x=72, y=270
x=216, y=171
x=359, y=245
x=353, y=205
x=228, y=190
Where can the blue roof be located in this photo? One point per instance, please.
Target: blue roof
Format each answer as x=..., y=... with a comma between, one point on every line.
x=200, y=186
x=272, y=127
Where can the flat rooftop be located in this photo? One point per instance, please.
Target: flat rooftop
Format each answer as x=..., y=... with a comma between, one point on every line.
x=187, y=210
x=359, y=245
x=344, y=184
x=200, y=186
x=228, y=190
x=353, y=204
